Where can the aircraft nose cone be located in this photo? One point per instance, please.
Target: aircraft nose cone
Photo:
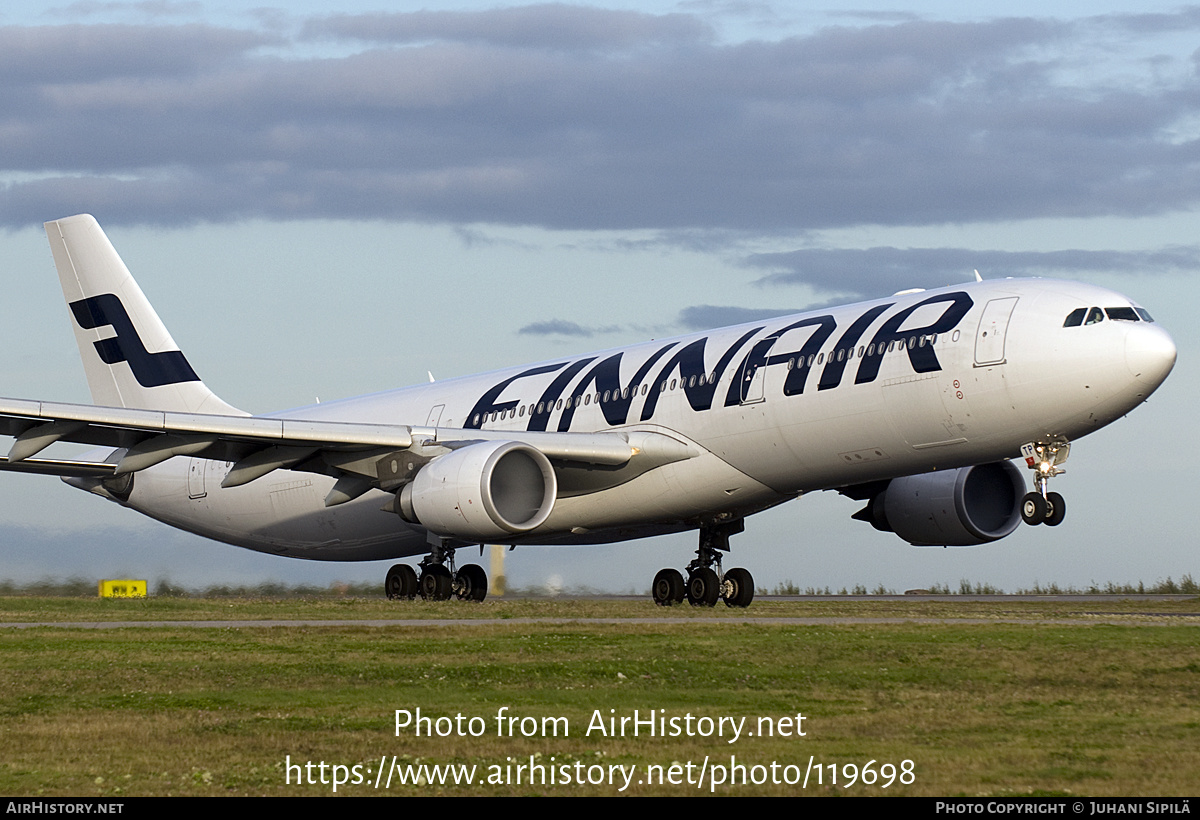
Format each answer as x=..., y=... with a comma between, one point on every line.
x=1149, y=354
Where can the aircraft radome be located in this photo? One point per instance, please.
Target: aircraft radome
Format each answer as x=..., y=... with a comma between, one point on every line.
x=914, y=404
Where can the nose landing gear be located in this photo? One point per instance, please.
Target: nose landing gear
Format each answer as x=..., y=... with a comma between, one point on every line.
x=704, y=585
x=1040, y=506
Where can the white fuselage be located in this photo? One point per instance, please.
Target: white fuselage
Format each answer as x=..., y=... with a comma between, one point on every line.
x=910, y=384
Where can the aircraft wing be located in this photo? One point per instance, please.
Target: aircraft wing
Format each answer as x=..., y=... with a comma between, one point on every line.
x=359, y=455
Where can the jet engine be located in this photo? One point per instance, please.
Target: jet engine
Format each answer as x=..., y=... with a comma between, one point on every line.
x=482, y=492
x=953, y=508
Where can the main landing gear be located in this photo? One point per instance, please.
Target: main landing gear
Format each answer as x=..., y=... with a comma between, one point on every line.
x=1041, y=507
x=705, y=585
x=437, y=582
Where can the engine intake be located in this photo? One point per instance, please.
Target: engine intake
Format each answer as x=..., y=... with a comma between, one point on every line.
x=952, y=508
x=482, y=492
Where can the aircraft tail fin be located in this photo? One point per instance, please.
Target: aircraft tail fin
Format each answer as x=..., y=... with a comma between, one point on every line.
x=129, y=357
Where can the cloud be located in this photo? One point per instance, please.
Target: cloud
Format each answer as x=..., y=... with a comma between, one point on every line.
x=68, y=61
x=560, y=327
x=547, y=26
x=874, y=271
x=585, y=118
x=705, y=317
x=147, y=8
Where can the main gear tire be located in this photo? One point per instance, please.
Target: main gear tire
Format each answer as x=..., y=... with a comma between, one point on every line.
x=703, y=587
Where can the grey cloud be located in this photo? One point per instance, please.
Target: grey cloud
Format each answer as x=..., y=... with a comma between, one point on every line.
x=493, y=117
x=1184, y=19
x=695, y=317
x=149, y=8
x=93, y=56
x=704, y=317
x=547, y=26
x=560, y=327
x=880, y=16
x=875, y=271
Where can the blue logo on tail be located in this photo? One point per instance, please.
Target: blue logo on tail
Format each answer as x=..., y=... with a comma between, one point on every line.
x=150, y=369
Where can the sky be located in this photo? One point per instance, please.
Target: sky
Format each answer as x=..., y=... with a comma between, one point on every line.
x=326, y=202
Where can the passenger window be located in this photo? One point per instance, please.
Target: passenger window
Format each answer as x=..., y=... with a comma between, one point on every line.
x=1095, y=315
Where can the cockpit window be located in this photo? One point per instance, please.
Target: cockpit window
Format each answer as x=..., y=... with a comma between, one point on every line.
x=1094, y=315
x=1122, y=314
x=1075, y=317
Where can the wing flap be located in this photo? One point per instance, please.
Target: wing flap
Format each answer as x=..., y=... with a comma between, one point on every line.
x=58, y=467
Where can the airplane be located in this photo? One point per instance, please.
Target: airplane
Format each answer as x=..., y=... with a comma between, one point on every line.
x=915, y=404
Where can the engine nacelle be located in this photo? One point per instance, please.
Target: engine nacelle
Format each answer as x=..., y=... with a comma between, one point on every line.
x=482, y=492
x=953, y=508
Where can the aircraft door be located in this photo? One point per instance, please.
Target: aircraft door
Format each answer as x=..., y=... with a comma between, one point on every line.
x=751, y=380
x=993, y=328
x=196, y=470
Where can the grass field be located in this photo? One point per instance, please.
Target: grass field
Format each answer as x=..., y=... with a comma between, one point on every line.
x=1079, y=698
